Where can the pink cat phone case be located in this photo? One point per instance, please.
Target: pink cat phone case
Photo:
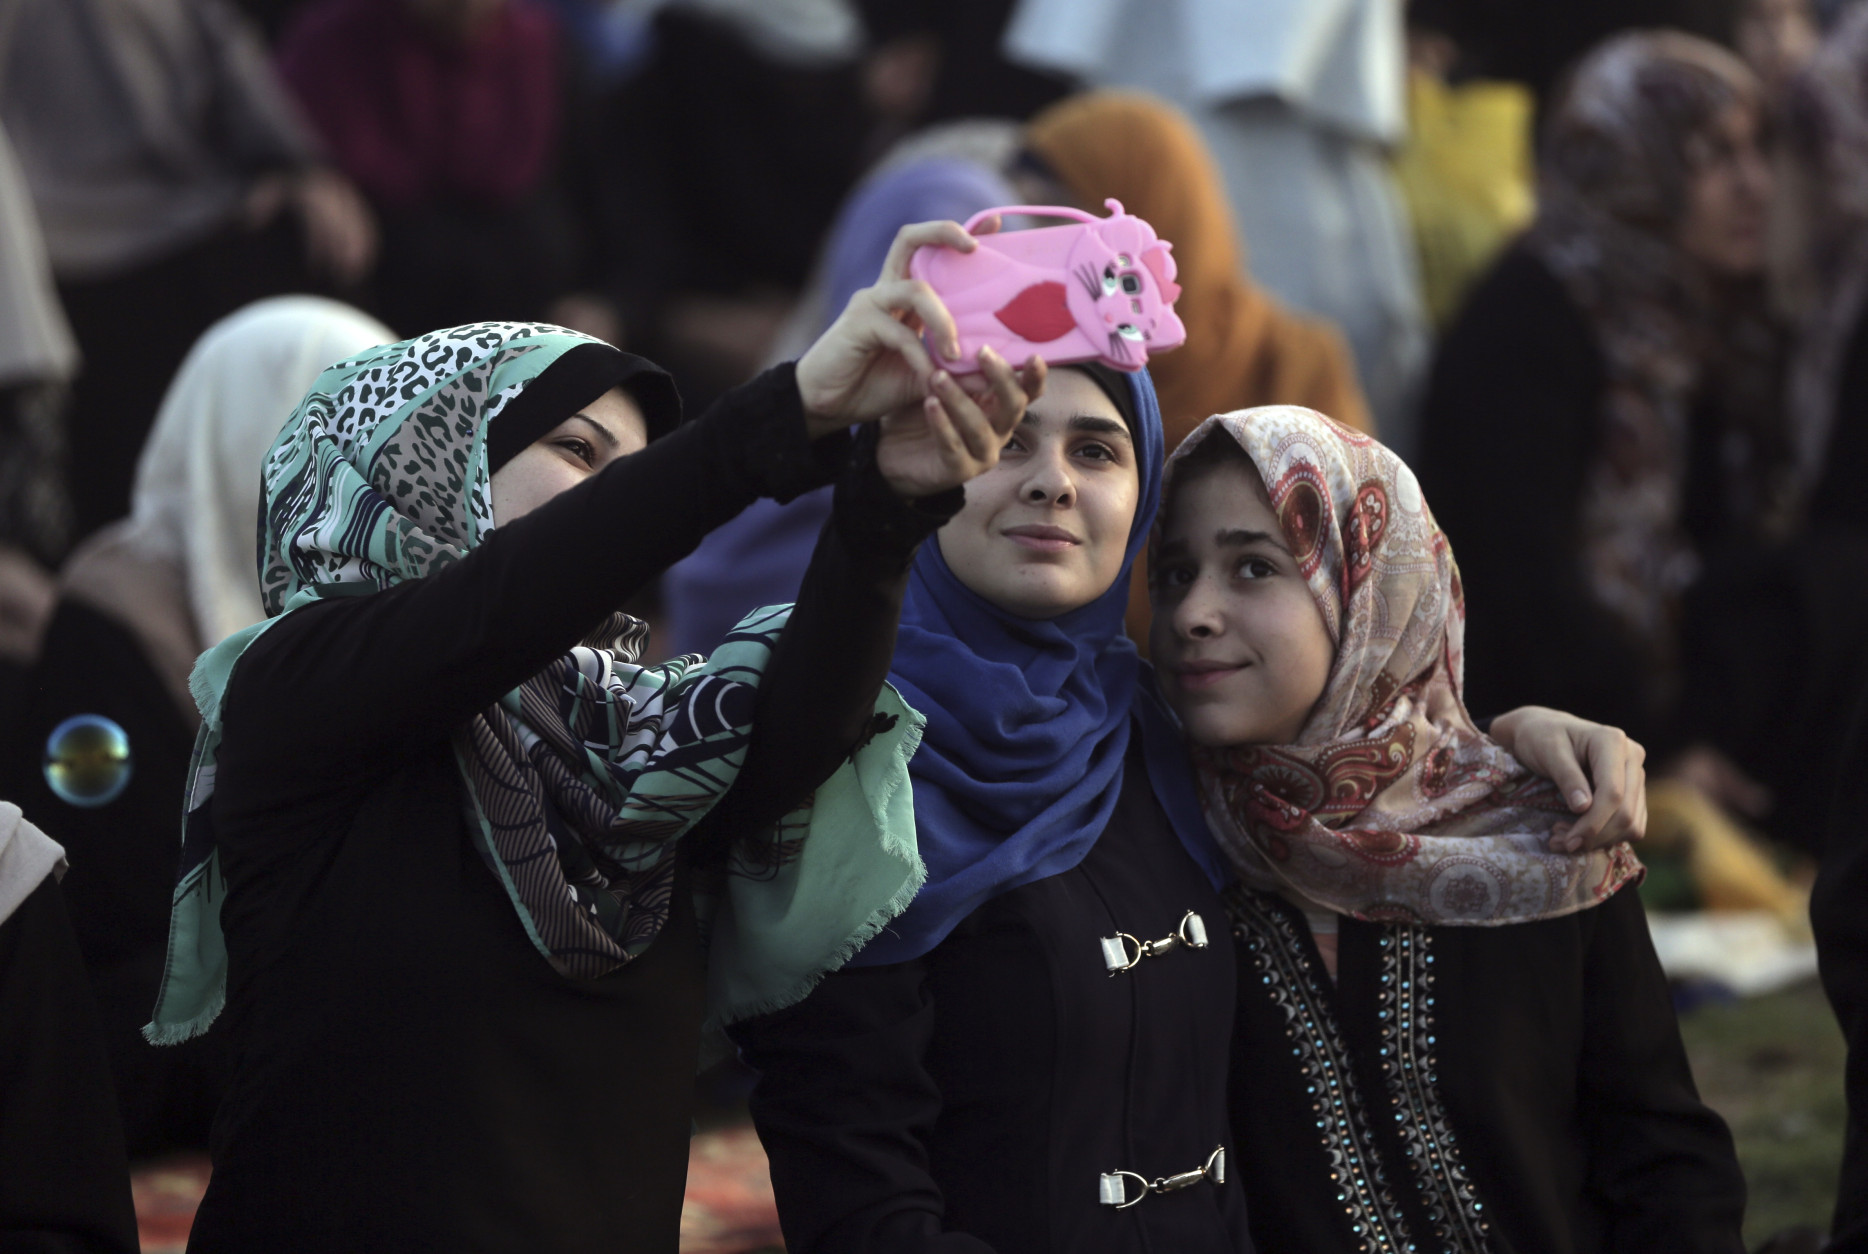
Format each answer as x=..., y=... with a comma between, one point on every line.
x=1100, y=289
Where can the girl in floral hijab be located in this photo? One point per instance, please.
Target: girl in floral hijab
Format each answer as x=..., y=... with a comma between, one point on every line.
x=1411, y=942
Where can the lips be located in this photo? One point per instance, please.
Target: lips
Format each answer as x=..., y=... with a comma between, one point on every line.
x=1200, y=676
x=1042, y=538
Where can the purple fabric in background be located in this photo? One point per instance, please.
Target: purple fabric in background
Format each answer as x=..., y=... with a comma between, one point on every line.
x=759, y=557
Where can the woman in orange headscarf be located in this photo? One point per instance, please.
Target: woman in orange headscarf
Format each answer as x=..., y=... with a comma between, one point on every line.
x=1243, y=348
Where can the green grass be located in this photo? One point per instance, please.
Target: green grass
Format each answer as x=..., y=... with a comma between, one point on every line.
x=1773, y=1067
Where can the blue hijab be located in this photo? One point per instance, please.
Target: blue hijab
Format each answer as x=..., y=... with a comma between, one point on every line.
x=1028, y=724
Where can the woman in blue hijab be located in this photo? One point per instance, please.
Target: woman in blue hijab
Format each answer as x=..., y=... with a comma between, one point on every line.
x=1039, y=1044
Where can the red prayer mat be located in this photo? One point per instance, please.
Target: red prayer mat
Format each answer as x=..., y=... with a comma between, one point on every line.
x=729, y=1207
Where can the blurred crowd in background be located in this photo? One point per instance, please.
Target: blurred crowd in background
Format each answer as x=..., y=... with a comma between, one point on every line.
x=1598, y=269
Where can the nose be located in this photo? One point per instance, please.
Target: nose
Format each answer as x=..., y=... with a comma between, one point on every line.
x=1760, y=179
x=1197, y=615
x=1048, y=480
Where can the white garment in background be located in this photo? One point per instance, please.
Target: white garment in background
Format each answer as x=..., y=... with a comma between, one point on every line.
x=1299, y=101
x=35, y=340
x=27, y=856
x=196, y=500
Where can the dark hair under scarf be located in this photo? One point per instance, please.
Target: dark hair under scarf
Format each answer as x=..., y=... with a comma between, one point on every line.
x=1028, y=724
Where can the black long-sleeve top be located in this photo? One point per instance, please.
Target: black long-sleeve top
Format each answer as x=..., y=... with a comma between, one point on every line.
x=408, y=1072
x=64, y=1179
x=1519, y=1089
x=972, y=1099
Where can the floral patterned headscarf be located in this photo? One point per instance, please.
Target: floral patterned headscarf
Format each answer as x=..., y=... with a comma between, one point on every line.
x=1391, y=805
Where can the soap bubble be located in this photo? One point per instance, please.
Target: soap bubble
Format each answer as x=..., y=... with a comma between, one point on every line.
x=87, y=760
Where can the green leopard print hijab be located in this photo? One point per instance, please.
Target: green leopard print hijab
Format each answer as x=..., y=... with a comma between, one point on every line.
x=581, y=783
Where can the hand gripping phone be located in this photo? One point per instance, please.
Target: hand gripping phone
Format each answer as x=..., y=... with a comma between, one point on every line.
x=1099, y=289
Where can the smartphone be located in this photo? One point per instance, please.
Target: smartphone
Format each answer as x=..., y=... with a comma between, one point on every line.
x=1098, y=289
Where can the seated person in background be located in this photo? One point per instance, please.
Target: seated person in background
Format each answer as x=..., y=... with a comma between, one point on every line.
x=175, y=182
x=152, y=593
x=1604, y=438
x=1451, y=1032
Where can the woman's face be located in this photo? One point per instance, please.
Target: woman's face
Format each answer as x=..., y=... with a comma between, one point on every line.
x=1728, y=196
x=1239, y=643
x=596, y=435
x=1044, y=531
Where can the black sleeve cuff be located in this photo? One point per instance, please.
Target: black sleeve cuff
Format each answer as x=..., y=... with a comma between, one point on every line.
x=761, y=425
x=879, y=530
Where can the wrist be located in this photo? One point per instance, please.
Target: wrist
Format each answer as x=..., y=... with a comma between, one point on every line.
x=1503, y=728
x=820, y=418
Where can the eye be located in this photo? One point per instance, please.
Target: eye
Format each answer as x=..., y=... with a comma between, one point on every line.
x=1129, y=331
x=1097, y=452
x=1257, y=568
x=1132, y=284
x=1109, y=281
x=580, y=449
x=1173, y=576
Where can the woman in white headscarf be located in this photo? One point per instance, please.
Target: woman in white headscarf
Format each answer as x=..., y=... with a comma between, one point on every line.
x=154, y=591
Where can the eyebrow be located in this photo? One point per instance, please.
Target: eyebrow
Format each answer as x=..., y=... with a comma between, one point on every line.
x=1229, y=538
x=1095, y=424
x=1239, y=538
x=608, y=436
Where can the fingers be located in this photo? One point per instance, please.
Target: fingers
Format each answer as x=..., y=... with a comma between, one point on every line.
x=886, y=331
x=988, y=226
x=1008, y=397
x=1637, y=791
x=920, y=235
x=1565, y=771
x=963, y=416
x=1612, y=809
x=1031, y=378
x=911, y=296
x=941, y=427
